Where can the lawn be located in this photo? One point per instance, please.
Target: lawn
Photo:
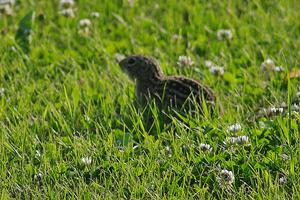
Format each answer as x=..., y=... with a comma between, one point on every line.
x=71, y=128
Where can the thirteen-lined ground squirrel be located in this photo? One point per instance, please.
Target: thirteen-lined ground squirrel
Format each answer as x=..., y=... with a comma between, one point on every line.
x=173, y=91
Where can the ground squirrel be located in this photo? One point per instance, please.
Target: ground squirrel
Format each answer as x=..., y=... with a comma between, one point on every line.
x=173, y=91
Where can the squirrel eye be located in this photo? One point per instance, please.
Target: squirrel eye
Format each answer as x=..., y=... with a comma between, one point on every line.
x=131, y=61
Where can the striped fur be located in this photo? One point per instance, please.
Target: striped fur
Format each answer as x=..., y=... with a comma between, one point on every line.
x=173, y=91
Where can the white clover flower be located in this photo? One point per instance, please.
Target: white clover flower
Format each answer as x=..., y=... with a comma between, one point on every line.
x=234, y=127
x=84, y=23
x=280, y=110
x=242, y=139
x=185, y=61
x=67, y=12
x=84, y=27
x=168, y=151
x=282, y=180
x=213, y=68
x=227, y=175
x=268, y=64
x=278, y=68
x=298, y=94
x=217, y=70
x=2, y=91
x=38, y=154
x=95, y=15
x=205, y=147
x=226, y=178
x=209, y=63
x=6, y=9
x=237, y=140
x=66, y=4
x=119, y=57
x=223, y=34
x=274, y=110
x=66, y=8
x=38, y=177
x=86, y=160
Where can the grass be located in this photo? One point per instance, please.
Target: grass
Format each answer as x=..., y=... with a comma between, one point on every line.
x=67, y=99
